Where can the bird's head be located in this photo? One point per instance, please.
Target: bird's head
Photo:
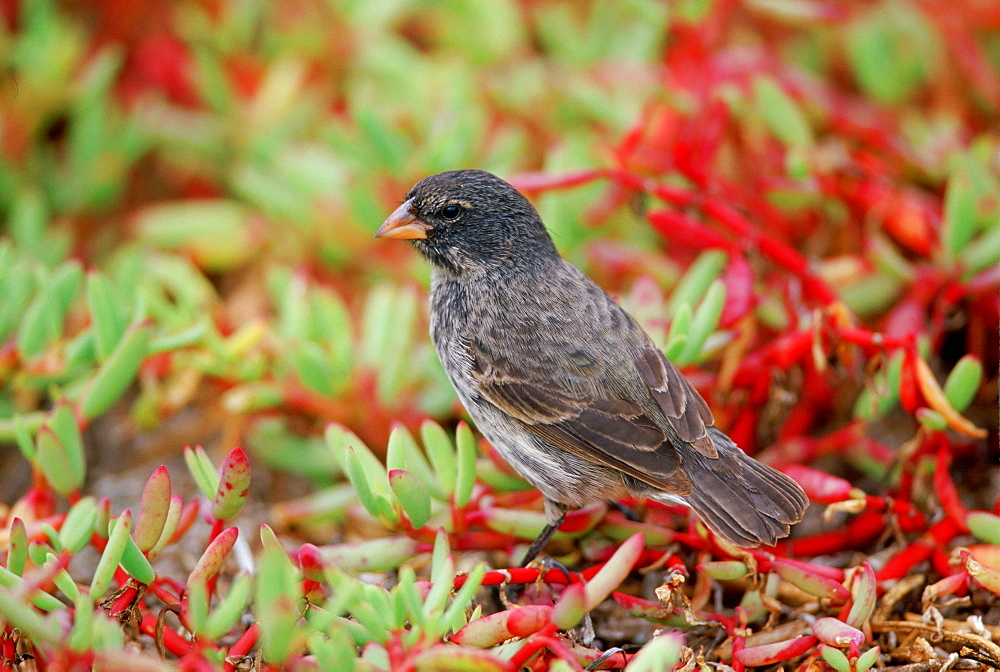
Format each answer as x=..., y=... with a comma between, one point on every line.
x=469, y=220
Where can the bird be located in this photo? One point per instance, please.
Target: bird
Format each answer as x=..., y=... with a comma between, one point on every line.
x=562, y=381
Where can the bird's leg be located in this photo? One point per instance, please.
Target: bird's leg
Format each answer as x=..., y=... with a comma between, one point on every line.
x=625, y=511
x=556, y=514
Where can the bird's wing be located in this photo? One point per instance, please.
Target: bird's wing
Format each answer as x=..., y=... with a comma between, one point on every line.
x=688, y=414
x=628, y=417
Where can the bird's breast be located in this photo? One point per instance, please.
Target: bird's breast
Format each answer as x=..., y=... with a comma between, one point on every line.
x=449, y=331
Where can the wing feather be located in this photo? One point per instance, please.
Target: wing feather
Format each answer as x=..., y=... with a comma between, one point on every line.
x=588, y=414
x=686, y=410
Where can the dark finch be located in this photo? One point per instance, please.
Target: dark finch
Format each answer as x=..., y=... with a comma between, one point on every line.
x=564, y=382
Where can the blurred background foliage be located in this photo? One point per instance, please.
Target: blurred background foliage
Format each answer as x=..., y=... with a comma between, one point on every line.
x=220, y=167
x=205, y=176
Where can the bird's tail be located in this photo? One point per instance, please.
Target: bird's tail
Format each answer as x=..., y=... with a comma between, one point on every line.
x=739, y=498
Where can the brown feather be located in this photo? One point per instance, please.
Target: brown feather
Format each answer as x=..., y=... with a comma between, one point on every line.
x=743, y=500
x=608, y=430
x=687, y=412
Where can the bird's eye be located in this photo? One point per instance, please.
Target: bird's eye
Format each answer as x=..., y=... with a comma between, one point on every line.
x=451, y=211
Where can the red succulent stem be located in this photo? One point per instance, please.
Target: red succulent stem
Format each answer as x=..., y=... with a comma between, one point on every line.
x=943, y=531
x=681, y=229
x=536, y=183
x=947, y=493
x=909, y=390
x=172, y=641
x=398, y=656
x=862, y=529
x=520, y=575
x=458, y=519
x=217, y=527
x=161, y=585
x=543, y=639
x=777, y=251
x=125, y=600
x=872, y=341
x=162, y=593
x=738, y=631
x=953, y=583
x=900, y=564
x=941, y=562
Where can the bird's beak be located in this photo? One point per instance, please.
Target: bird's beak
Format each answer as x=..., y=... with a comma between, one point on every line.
x=403, y=224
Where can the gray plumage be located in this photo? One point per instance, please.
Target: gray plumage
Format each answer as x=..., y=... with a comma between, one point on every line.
x=561, y=380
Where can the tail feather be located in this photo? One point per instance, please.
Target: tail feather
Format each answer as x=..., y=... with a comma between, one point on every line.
x=739, y=498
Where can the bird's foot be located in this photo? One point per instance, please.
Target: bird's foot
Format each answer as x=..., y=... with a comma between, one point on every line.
x=512, y=592
x=614, y=651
